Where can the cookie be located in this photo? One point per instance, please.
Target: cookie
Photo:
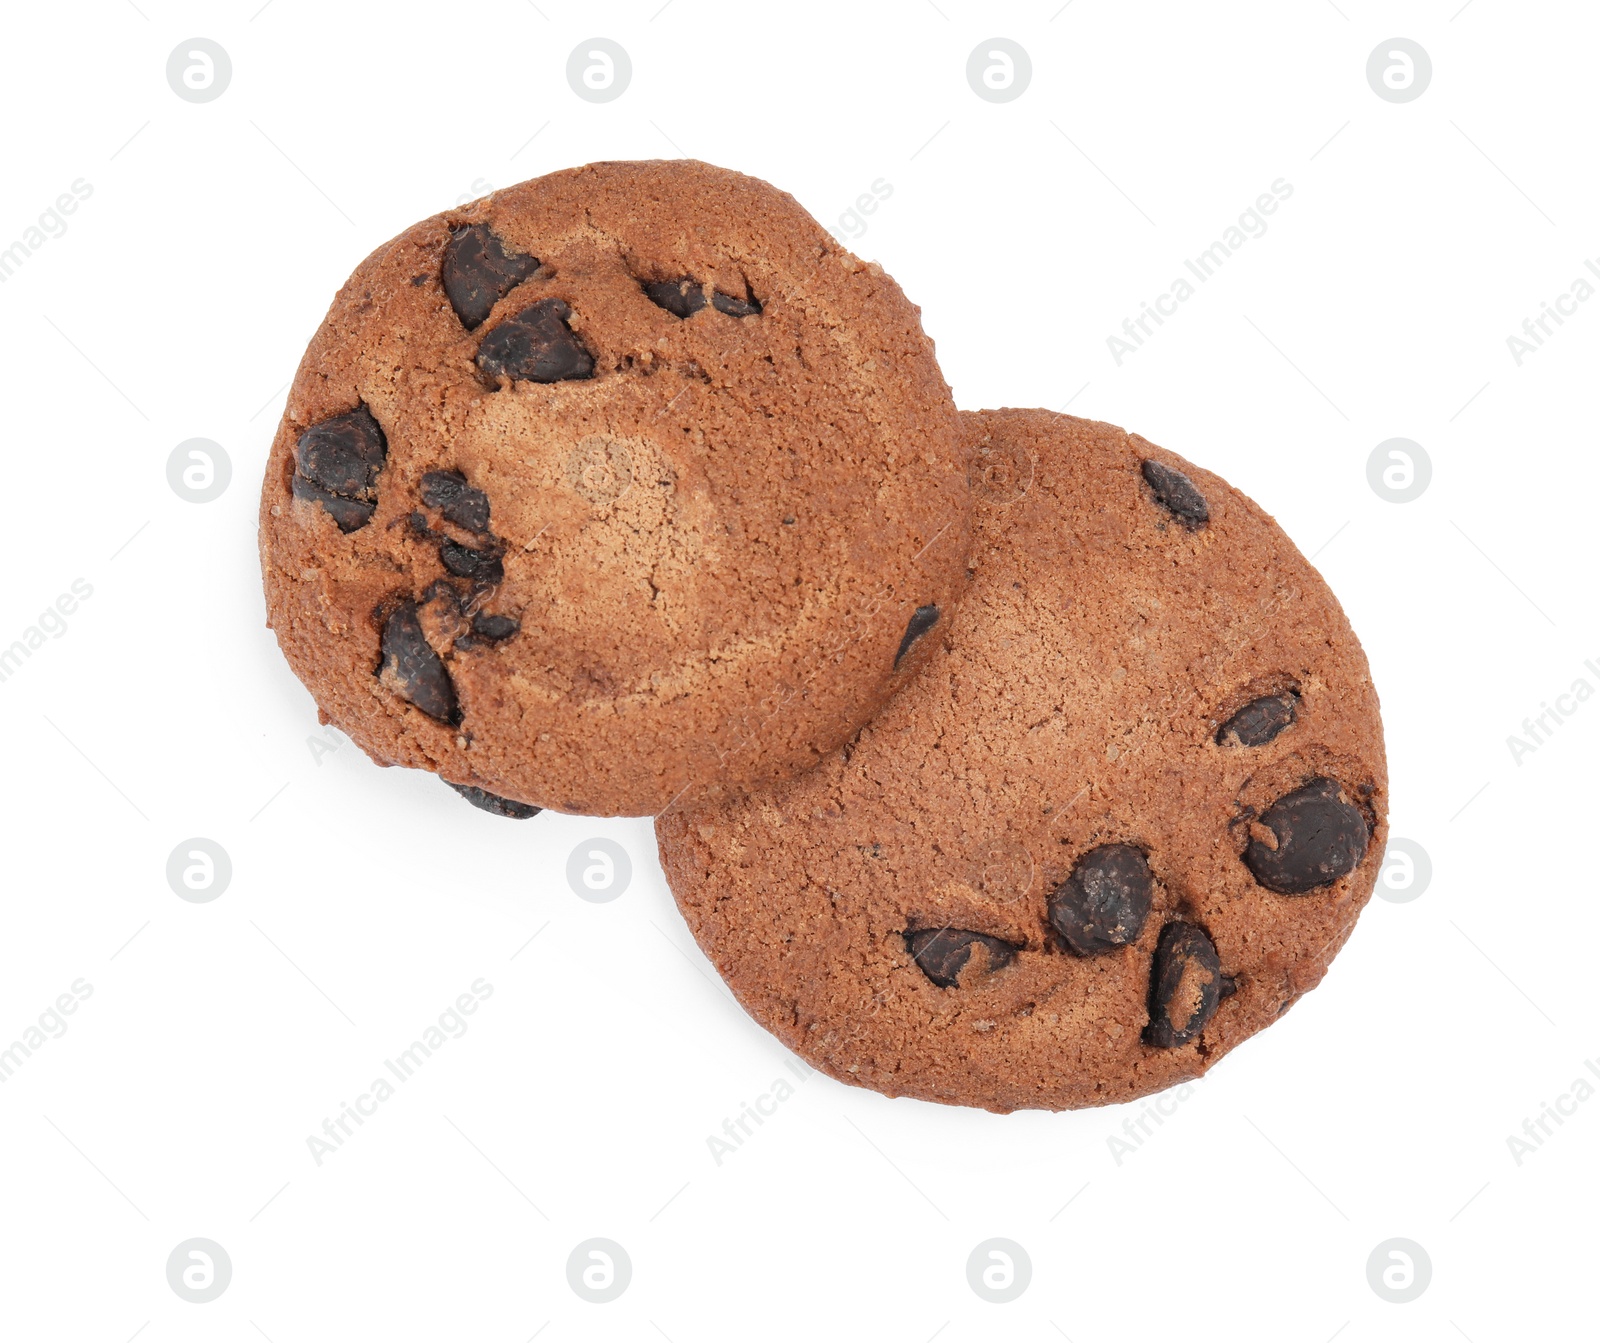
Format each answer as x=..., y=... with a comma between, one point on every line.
x=622, y=485
x=1123, y=819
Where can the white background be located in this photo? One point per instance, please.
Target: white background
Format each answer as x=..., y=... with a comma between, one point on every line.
x=178, y=1102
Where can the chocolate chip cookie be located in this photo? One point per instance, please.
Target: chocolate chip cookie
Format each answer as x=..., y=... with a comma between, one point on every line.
x=622, y=485
x=1123, y=819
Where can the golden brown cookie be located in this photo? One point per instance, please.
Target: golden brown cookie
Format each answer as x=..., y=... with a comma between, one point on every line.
x=620, y=485
x=1121, y=821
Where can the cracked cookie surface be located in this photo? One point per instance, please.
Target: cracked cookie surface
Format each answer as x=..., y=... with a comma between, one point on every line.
x=620, y=486
x=1127, y=814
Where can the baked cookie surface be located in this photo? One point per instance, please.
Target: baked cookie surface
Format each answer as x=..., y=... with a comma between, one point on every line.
x=617, y=486
x=1124, y=817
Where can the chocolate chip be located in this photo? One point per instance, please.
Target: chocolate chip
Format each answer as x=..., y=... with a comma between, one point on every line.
x=343, y=454
x=1185, y=985
x=464, y=562
x=350, y=514
x=477, y=272
x=337, y=464
x=734, y=307
x=1320, y=837
x=535, y=346
x=495, y=806
x=449, y=492
x=942, y=953
x=1259, y=721
x=923, y=619
x=413, y=669
x=494, y=628
x=444, y=594
x=682, y=298
x=1176, y=493
x=1105, y=901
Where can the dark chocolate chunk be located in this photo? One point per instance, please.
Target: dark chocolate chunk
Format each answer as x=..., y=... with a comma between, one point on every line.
x=1176, y=493
x=336, y=464
x=1185, y=985
x=495, y=806
x=682, y=298
x=449, y=492
x=734, y=307
x=923, y=619
x=1105, y=901
x=1259, y=721
x=344, y=453
x=494, y=628
x=413, y=669
x=442, y=590
x=942, y=953
x=536, y=345
x=464, y=562
x=350, y=514
x=477, y=272
x=1320, y=837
